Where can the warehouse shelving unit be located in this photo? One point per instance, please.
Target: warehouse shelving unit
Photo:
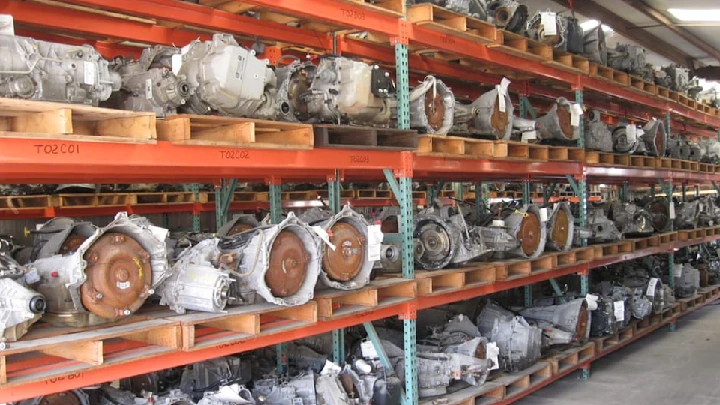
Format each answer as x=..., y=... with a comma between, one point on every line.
x=104, y=23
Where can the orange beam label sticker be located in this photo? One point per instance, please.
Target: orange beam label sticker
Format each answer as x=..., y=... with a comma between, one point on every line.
x=57, y=149
x=234, y=154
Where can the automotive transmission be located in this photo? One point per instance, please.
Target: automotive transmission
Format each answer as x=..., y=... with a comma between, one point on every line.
x=346, y=264
x=41, y=70
x=562, y=122
x=597, y=135
x=628, y=58
x=630, y=219
x=678, y=78
x=432, y=105
x=293, y=81
x=654, y=139
x=20, y=306
x=557, y=31
x=687, y=280
x=238, y=224
x=348, y=91
x=59, y=236
x=560, y=228
x=225, y=77
x=150, y=84
x=108, y=276
x=491, y=115
x=572, y=317
x=601, y=228
x=507, y=14
x=688, y=215
x=594, y=45
x=525, y=224
x=710, y=151
x=518, y=341
x=281, y=263
x=626, y=139
x=74, y=397
x=442, y=237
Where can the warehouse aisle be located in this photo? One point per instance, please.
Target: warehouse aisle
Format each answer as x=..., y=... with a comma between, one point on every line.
x=663, y=368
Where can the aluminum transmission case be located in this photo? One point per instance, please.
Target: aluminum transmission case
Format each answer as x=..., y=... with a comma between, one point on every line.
x=347, y=266
x=40, y=70
x=507, y=14
x=710, y=151
x=491, y=115
x=227, y=78
x=626, y=138
x=432, y=106
x=687, y=280
x=688, y=215
x=293, y=81
x=627, y=58
x=679, y=78
x=567, y=35
x=108, y=276
x=630, y=219
x=562, y=121
x=659, y=209
x=570, y=317
x=197, y=281
x=595, y=48
x=281, y=263
x=345, y=90
x=60, y=235
x=238, y=224
x=20, y=306
x=597, y=134
x=518, y=341
x=560, y=228
x=526, y=225
x=654, y=139
x=602, y=229
x=149, y=84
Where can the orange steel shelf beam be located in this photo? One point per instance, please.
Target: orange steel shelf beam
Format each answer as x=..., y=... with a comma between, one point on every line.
x=430, y=167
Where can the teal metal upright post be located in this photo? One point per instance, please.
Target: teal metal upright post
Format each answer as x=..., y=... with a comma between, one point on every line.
x=581, y=137
x=338, y=335
x=275, y=198
x=195, y=188
x=668, y=189
x=527, y=201
x=404, y=195
x=223, y=197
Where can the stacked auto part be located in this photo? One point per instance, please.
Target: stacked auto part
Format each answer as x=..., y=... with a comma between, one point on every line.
x=107, y=276
x=431, y=107
x=526, y=225
x=150, y=83
x=572, y=318
x=518, y=341
x=20, y=306
x=226, y=78
x=560, y=228
x=293, y=81
x=630, y=219
x=687, y=280
x=491, y=115
x=602, y=229
x=507, y=14
x=597, y=135
x=557, y=31
x=561, y=123
x=594, y=46
x=630, y=59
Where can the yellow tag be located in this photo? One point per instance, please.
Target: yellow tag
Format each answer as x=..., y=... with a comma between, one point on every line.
x=139, y=265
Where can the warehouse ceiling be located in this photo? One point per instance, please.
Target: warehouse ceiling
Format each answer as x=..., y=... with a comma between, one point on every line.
x=649, y=24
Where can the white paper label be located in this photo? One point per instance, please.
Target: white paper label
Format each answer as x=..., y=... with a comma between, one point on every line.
x=159, y=232
x=672, y=210
x=651, y=287
x=368, y=350
x=32, y=277
x=529, y=136
x=677, y=270
x=576, y=112
x=176, y=63
x=498, y=222
x=631, y=133
x=502, y=92
x=591, y=301
x=549, y=24
x=123, y=285
x=324, y=236
x=375, y=238
x=90, y=73
x=619, y=309
x=330, y=368
x=543, y=214
x=492, y=351
x=501, y=101
x=148, y=89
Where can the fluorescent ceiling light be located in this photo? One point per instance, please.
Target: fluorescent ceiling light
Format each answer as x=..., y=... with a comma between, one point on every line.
x=590, y=24
x=684, y=14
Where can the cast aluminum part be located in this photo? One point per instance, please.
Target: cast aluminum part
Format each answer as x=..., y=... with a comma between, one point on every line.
x=60, y=235
x=296, y=391
x=621, y=294
x=572, y=317
x=347, y=266
x=293, y=80
x=198, y=377
x=654, y=139
x=627, y=58
x=281, y=263
x=659, y=209
x=507, y=14
x=603, y=320
x=678, y=148
x=595, y=48
x=630, y=219
x=20, y=306
x=687, y=280
x=524, y=129
x=557, y=123
x=709, y=211
x=442, y=237
x=560, y=228
x=223, y=76
x=174, y=397
x=485, y=116
x=329, y=391
x=710, y=151
x=527, y=226
x=197, y=281
x=108, y=276
x=602, y=229
x=48, y=71
x=567, y=36
x=709, y=97
x=679, y=78
x=345, y=90
x=431, y=107
x=518, y=341
x=597, y=134
x=72, y=397
x=687, y=215
x=626, y=139
x=437, y=370
x=458, y=6
x=149, y=84
x=238, y=224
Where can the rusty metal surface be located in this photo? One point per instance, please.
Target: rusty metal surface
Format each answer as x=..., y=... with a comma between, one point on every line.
x=288, y=265
x=346, y=261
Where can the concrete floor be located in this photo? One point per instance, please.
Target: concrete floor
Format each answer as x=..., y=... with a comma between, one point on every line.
x=662, y=368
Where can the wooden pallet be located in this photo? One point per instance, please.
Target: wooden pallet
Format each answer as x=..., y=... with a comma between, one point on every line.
x=606, y=342
x=571, y=357
x=372, y=193
x=446, y=280
x=333, y=304
x=566, y=258
x=525, y=267
x=89, y=348
x=707, y=168
x=638, y=83
x=685, y=235
x=663, y=92
x=237, y=132
x=570, y=62
x=245, y=196
x=585, y=254
x=202, y=329
x=609, y=75
x=687, y=303
x=351, y=137
x=669, y=237
x=562, y=153
x=518, y=45
x=687, y=101
x=521, y=151
x=19, y=202
x=455, y=146
x=595, y=158
x=643, y=161
x=71, y=122
x=178, y=197
x=690, y=166
x=395, y=8
x=451, y=23
x=517, y=382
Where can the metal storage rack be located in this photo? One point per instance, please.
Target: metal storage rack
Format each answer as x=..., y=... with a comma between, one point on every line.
x=170, y=22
